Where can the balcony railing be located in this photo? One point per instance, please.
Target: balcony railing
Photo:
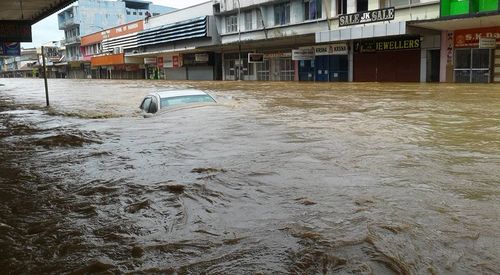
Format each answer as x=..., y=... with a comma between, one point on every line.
x=72, y=40
x=68, y=22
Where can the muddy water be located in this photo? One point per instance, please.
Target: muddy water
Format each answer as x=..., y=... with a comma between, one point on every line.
x=278, y=178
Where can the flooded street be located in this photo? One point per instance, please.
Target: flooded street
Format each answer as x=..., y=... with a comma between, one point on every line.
x=279, y=178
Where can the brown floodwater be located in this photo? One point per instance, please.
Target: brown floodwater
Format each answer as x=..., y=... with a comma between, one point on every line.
x=296, y=178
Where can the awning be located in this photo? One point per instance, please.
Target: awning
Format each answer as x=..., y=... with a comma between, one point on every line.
x=106, y=60
x=183, y=30
x=363, y=32
x=452, y=24
x=155, y=53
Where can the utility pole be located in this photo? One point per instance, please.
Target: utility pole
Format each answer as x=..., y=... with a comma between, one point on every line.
x=45, y=77
x=240, y=66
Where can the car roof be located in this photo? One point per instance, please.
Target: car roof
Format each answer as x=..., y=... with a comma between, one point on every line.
x=175, y=93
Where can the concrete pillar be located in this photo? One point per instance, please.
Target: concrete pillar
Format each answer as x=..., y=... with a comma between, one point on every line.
x=423, y=65
x=447, y=57
x=351, y=62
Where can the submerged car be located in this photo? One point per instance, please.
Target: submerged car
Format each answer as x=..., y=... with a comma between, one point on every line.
x=159, y=101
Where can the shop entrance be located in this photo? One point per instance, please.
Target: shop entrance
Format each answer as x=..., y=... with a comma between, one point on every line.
x=390, y=66
x=472, y=65
x=433, y=61
x=276, y=69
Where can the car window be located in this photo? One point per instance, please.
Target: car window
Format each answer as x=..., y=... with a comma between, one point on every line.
x=172, y=101
x=153, y=107
x=145, y=104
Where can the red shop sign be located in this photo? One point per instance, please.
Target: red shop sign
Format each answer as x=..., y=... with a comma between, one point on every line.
x=159, y=61
x=175, y=61
x=470, y=37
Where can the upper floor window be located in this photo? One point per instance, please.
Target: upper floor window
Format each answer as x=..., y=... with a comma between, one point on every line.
x=282, y=14
x=248, y=21
x=341, y=6
x=361, y=5
x=312, y=9
x=260, y=20
x=231, y=23
x=397, y=3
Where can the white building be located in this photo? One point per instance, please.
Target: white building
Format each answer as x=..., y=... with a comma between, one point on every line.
x=323, y=49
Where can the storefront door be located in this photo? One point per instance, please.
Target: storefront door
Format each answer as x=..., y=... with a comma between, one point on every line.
x=391, y=66
x=433, y=61
x=472, y=65
x=306, y=70
x=322, y=68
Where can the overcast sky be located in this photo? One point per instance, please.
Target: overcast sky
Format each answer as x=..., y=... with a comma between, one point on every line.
x=47, y=30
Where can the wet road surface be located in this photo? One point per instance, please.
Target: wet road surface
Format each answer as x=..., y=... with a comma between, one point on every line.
x=279, y=178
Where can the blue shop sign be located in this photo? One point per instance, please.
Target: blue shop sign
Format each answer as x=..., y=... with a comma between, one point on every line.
x=10, y=49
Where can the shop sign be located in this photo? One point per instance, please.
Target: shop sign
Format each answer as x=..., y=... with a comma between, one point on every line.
x=303, y=54
x=74, y=64
x=150, y=60
x=367, y=17
x=10, y=49
x=332, y=49
x=277, y=55
x=255, y=57
x=168, y=62
x=487, y=42
x=404, y=43
x=159, y=61
x=201, y=57
x=471, y=37
x=175, y=61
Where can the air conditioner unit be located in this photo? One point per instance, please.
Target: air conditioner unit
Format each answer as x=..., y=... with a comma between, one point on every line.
x=117, y=49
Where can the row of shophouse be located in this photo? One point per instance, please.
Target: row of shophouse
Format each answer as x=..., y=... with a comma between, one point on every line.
x=29, y=63
x=303, y=40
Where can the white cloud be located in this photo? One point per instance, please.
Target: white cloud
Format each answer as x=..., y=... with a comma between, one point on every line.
x=48, y=30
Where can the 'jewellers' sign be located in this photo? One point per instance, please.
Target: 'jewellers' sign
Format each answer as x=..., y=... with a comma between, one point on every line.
x=367, y=17
x=403, y=43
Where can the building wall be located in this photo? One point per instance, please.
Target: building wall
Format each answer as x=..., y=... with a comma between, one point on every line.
x=202, y=9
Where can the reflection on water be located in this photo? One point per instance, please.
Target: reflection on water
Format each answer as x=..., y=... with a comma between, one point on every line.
x=279, y=178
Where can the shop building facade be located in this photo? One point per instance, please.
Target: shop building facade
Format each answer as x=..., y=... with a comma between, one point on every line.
x=378, y=33
x=90, y=16
x=470, y=40
x=269, y=32
x=105, y=52
x=180, y=45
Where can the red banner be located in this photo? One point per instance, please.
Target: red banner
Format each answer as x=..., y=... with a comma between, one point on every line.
x=159, y=62
x=175, y=61
x=470, y=37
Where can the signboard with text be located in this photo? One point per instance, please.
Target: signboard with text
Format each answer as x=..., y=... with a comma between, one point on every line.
x=303, y=54
x=392, y=44
x=10, y=49
x=150, y=60
x=471, y=37
x=365, y=17
x=255, y=57
x=332, y=49
x=201, y=57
